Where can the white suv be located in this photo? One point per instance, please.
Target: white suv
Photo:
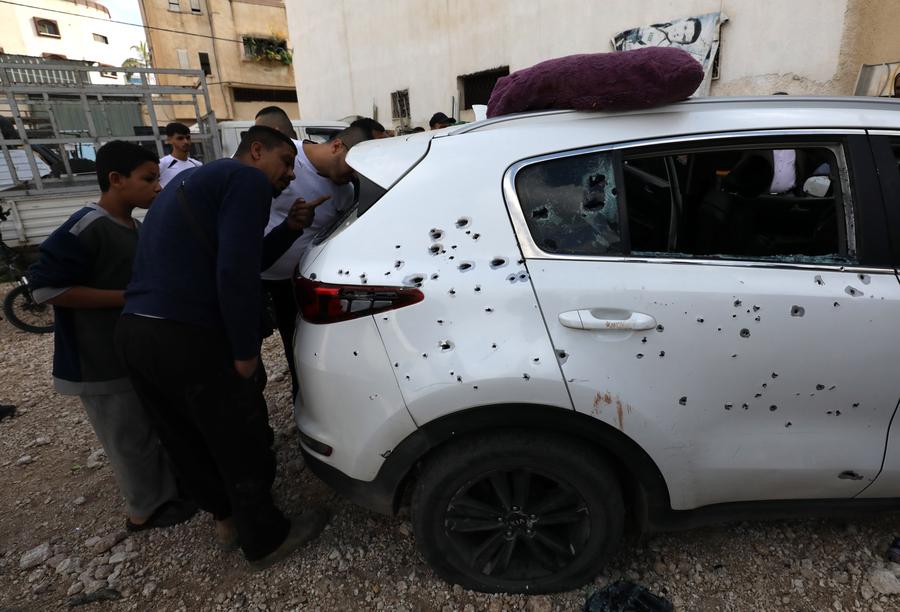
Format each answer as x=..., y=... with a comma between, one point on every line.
x=545, y=325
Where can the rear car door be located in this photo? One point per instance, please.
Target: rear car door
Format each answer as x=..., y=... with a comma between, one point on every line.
x=733, y=325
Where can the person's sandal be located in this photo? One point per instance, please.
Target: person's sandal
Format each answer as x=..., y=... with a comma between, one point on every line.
x=304, y=528
x=171, y=513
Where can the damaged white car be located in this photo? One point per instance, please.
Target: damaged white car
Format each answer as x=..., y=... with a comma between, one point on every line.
x=543, y=327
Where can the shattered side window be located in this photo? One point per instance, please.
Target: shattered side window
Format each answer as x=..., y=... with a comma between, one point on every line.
x=571, y=204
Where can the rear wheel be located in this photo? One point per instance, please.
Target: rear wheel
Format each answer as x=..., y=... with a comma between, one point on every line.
x=26, y=314
x=520, y=512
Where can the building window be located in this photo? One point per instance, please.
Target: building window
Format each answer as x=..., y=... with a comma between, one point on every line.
x=183, y=61
x=195, y=6
x=267, y=50
x=46, y=27
x=53, y=56
x=254, y=94
x=400, y=106
x=175, y=5
x=476, y=88
x=107, y=74
x=204, y=63
x=100, y=38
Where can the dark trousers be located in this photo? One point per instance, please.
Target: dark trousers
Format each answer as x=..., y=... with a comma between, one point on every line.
x=285, y=306
x=213, y=423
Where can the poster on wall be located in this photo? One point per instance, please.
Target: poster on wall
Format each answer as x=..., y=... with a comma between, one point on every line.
x=698, y=35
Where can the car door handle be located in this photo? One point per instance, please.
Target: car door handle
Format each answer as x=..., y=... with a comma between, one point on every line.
x=586, y=319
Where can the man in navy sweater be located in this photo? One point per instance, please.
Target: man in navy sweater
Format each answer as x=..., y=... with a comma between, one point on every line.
x=190, y=338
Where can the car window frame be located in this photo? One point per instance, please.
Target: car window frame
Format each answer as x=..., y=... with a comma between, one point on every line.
x=698, y=142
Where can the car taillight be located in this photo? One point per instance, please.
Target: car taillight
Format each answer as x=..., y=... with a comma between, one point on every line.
x=320, y=302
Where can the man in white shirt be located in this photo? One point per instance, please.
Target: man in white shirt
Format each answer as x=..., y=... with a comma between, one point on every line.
x=321, y=173
x=179, y=137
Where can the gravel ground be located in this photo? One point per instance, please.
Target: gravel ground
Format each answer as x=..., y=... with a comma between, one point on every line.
x=62, y=534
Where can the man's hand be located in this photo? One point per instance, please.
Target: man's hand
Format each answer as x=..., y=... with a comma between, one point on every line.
x=246, y=368
x=302, y=212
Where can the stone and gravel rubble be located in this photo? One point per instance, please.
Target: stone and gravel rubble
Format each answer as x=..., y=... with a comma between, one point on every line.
x=62, y=535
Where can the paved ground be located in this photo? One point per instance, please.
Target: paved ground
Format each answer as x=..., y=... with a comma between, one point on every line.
x=363, y=561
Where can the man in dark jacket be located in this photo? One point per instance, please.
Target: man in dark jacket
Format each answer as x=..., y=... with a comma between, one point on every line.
x=190, y=337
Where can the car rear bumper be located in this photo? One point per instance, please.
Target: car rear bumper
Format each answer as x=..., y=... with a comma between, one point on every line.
x=377, y=495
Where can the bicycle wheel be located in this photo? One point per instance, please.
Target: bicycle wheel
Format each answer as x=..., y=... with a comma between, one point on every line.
x=26, y=314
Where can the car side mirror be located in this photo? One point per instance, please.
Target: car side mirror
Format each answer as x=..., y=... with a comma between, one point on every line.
x=817, y=186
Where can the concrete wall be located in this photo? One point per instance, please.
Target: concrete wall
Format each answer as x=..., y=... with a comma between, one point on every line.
x=76, y=42
x=348, y=56
x=227, y=21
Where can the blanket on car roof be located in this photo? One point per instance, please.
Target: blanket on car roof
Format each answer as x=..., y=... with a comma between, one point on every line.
x=623, y=80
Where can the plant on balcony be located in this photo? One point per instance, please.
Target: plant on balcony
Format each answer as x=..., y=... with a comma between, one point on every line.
x=267, y=50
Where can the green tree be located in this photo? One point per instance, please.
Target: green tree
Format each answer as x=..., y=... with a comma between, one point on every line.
x=142, y=59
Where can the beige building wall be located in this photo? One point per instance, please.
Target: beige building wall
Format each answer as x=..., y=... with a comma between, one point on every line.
x=349, y=58
x=217, y=28
x=19, y=35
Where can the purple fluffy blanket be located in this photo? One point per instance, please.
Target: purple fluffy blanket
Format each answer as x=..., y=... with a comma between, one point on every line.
x=622, y=80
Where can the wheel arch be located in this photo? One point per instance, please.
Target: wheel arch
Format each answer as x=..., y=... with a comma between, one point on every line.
x=643, y=486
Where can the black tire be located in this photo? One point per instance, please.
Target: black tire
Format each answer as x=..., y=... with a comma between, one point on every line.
x=517, y=512
x=25, y=313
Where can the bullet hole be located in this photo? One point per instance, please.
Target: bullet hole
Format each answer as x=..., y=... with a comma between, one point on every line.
x=864, y=279
x=745, y=333
x=774, y=375
x=755, y=308
x=837, y=413
x=440, y=321
x=683, y=400
x=436, y=234
x=699, y=319
x=662, y=353
x=511, y=278
x=788, y=424
x=341, y=271
x=734, y=316
x=465, y=266
x=398, y=264
x=852, y=291
x=356, y=353
x=424, y=355
x=729, y=406
x=477, y=288
x=434, y=276
x=415, y=280
x=388, y=273
x=396, y=364
x=644, y=340
x=526, y=376
x=445, y=345
x=458, y=378
x=856, y=405
x=452, y=291
x=494, y=345
x=435, y=249
x=640, y=355
x=832, y=387
x=773, y=408
x=313, y=276
x=489, y=310
x=523, y=276
x=797, y=311
x=758, y=395
x=452, y=257
x=476, y=236
x=756, y=319
x=520, y=262
x=718, y=329
x=407, y=377
x=734, y=356
x=452, y=246
x=536, y=360
x=475, y=387
x=468, y=232
x=452, y=373
x=818, y=280
x=594, y=202
x=829, y=412
x=737, y=303
x=396, y=246
x=498, y=262
x=463, y=222
x=540, y=213
x=562, y=356
x=745, y=406
x=837, y=304
x=660, y=328
x=765, y=385
x=820, y=387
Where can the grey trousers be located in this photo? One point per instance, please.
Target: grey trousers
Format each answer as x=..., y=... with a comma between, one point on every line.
x=137, y=458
